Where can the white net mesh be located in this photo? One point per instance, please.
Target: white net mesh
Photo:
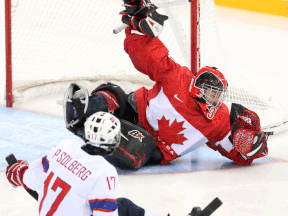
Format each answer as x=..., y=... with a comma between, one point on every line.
x=69, y=40
x=239, y=89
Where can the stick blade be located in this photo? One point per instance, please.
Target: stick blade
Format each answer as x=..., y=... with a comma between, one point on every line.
x=215, y=204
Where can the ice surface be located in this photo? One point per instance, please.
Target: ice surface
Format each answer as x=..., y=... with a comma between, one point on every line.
x=258, y=46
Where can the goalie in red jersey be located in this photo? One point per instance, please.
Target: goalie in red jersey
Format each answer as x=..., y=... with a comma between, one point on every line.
x=182, y=111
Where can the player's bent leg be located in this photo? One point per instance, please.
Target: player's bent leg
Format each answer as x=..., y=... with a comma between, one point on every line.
x=97, y=103
x=137, y=146
x=127, y=208
x=76, y=100
x=113, y=92
x=117, y=98
x=78, y=105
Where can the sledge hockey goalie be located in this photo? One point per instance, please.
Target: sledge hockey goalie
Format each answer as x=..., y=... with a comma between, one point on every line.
x=182, y=111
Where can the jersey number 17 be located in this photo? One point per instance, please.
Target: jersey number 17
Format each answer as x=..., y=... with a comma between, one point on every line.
x=57, y=183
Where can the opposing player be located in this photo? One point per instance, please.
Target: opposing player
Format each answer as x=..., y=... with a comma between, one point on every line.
x=75, y=179
x=182, y=111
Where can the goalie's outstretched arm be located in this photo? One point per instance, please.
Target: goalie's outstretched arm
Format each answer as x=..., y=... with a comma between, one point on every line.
x=245, y=142
x=150, y=56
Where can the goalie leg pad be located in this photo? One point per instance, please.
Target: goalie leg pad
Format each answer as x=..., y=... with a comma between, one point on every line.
x=135, y=149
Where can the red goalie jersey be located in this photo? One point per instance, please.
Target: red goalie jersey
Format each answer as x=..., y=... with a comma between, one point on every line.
x=169, y=113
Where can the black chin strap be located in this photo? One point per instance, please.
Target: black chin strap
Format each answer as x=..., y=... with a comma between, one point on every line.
x=91, y=150
x=197, y=100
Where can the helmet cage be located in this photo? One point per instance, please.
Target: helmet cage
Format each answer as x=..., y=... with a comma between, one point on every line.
x=209, y=87
x=214, y=96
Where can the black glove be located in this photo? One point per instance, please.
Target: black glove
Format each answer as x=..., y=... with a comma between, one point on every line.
x=196, y=211
x=152, y=24
x=132, y=6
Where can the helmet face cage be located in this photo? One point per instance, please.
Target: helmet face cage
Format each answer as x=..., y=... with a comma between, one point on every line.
x=212, y=95
x=103, y=130
x=212, y=89
x=210, y=86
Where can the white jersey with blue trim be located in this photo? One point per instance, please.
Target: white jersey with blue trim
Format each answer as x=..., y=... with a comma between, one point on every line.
x=71, y=182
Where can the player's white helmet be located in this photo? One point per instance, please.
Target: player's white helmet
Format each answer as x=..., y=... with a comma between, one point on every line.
x=103, y=130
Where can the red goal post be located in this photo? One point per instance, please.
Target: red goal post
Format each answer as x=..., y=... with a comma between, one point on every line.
x=50, y=43
x=8, y=39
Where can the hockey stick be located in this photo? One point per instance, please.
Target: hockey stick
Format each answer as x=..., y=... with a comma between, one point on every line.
x=211, y=207
x=208, y=210
x=149, y=8
x=269, y=133
x=12, y=160
x=215, y=204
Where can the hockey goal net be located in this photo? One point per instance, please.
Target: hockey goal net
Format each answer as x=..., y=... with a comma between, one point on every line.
x=50, y=43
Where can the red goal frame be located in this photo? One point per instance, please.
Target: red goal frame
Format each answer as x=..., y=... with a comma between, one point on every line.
x=194, y=36
x=8, y=39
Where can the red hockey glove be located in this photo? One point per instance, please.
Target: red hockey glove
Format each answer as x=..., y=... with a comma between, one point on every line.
x=247, y=137
x=244, y=117
x=248, y=142
x=15, y=172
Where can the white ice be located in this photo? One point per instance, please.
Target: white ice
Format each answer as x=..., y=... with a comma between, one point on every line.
x=258, y=46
